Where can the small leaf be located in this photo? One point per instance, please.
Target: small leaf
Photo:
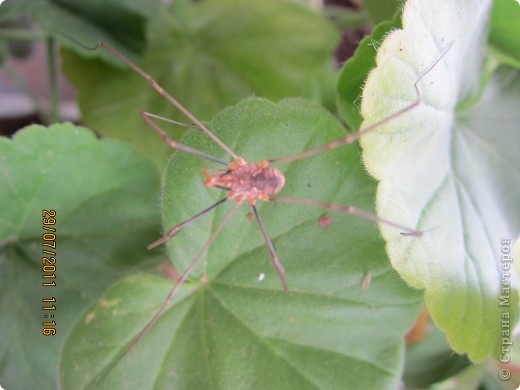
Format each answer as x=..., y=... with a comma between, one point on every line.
x=448, y=166
x=355, y=71
x=504, y=34
x=104, y=196
x=208, y=57
x=238, y=329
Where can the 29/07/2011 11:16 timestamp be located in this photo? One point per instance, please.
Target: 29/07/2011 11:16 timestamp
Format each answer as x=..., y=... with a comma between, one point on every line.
x=49, y=269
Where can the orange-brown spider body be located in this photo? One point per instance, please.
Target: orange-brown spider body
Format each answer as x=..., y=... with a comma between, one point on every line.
x=246, y=181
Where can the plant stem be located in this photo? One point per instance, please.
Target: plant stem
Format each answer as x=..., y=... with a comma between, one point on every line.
x=53, y=80
x=21, y=34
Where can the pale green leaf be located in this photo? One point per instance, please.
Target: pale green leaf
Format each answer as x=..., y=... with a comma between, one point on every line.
x=448, y=166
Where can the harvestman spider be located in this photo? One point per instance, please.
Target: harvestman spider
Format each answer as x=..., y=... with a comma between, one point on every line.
x=248, y=182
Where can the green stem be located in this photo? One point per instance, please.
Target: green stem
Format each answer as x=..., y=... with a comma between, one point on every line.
x=21, y=34
x=53, y=80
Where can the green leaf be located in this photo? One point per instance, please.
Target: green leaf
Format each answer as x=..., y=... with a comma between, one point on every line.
x=504, y=34
x=215, y=53
x=236, y=329
x=381, y=10
x=431, y=360
x=104, y=195
x=448, y=166
x=89, y=22
x=355, y=71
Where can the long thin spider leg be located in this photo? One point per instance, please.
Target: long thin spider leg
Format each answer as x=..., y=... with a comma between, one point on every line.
x=183, y=278
x=177, y=145
x=168, y=97
x=353, y=137
x=349, y=210
x=177, y=228
x=272, y=251
x=162, y=118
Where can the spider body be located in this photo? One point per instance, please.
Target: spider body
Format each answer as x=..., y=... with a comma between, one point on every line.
x=246, y=181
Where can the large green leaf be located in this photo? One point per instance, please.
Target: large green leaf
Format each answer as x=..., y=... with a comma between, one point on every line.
x=448, y=166
x=208, y=57
x=104, y=195
x=237, y=330
x=89, y=22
